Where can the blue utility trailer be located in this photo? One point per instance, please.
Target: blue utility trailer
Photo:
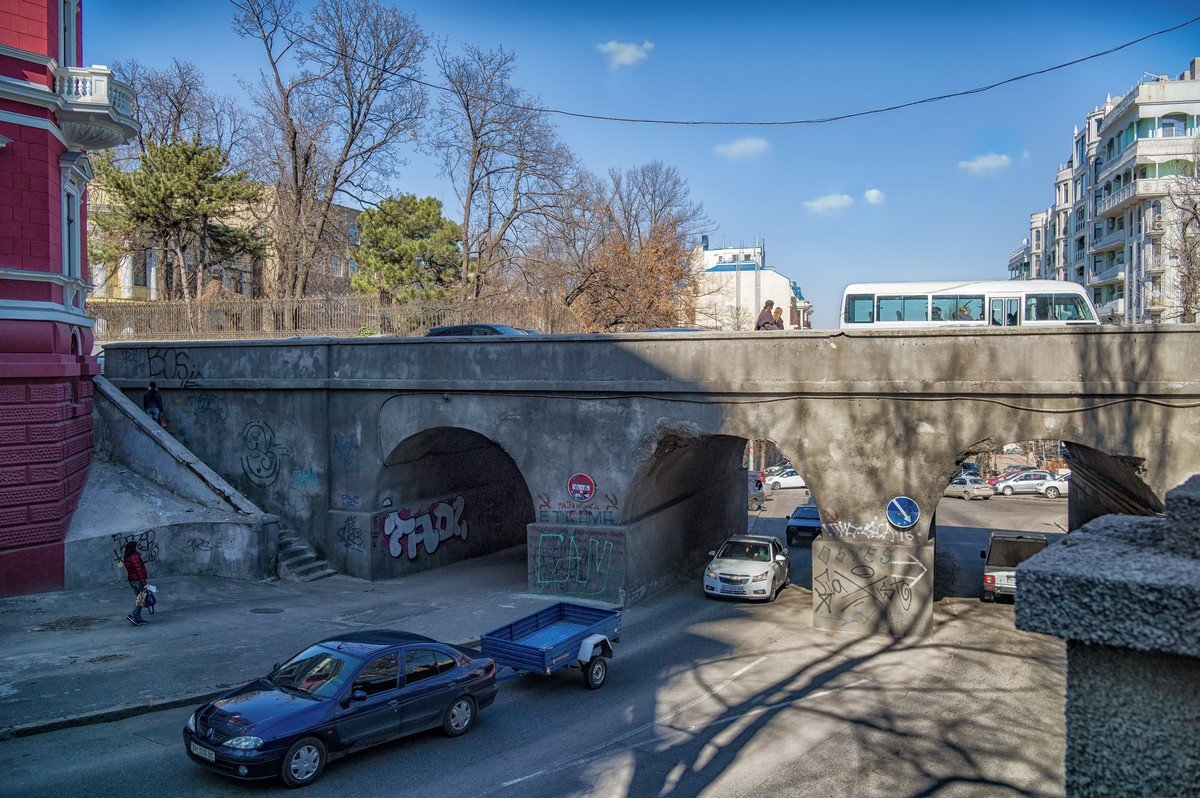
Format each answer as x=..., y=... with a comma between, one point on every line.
x=563, y=635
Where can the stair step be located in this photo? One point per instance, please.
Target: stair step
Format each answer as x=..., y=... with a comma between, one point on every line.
x=298, y=561
x=317, y=566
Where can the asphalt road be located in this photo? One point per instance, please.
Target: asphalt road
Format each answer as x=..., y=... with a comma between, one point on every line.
x=704, y=697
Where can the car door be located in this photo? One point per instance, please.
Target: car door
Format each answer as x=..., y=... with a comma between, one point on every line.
x=1029, y=482
x=781, y=568
x=955, y=487
x=428, y=688
x=378, y=718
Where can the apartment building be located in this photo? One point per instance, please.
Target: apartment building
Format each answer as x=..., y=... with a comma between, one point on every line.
x=734, y=282
x=1113, y=226
x=53, y=111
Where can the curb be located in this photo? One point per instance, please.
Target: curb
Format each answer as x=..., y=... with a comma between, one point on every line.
x=133, y=710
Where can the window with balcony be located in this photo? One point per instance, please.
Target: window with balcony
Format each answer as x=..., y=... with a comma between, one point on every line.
x=1170, y=127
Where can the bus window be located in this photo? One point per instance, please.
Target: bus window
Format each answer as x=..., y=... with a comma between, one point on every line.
x=902, y=308
x=859, y=309
x=1038, y=307
x=1071, y=307
x=958, y=308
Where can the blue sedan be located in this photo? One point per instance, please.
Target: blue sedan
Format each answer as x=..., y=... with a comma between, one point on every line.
x=340, y=695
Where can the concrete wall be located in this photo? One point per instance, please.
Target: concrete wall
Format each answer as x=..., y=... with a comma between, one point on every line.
x=307, y=427
x=1124, y=592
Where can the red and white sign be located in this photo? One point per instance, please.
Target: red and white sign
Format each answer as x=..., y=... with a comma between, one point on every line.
x=581, y=487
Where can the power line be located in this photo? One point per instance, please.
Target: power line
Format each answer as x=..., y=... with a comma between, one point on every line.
x=746, y=122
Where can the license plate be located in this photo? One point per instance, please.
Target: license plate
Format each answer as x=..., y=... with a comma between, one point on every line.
x=203, y=752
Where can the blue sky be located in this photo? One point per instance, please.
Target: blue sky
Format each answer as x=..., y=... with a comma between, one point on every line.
x=955, y=180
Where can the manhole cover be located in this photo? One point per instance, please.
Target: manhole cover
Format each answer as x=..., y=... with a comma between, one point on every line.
x=266, y=610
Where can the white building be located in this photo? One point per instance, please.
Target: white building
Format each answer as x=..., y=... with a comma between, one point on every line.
x=1113, y=226
x=733, y=283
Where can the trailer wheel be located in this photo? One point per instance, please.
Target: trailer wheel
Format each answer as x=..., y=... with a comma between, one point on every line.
x=596, y=673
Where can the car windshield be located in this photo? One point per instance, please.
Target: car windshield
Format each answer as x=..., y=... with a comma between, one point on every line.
x=1011, y=552
x=740, y=550
x=317, y=671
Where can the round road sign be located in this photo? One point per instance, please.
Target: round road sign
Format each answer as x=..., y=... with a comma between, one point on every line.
x=581, y=487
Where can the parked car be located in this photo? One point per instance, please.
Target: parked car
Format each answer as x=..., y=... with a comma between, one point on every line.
x=1024, y=482
x=748, y=566
x=1007, y=473
x=1004, y=553
x=773, y=470
x=757, y=497
x=968, y=488
x=1059, y=486
x=787, y=478
x=475, y=330
x=340, y=695
x=969, y=469
x=804, y=522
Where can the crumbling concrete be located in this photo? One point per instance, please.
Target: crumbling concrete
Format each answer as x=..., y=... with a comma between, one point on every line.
x=1124, y=592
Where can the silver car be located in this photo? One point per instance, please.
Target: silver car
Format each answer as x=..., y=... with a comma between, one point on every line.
x=968, y=488
x=748, y=566
x=1024, y=482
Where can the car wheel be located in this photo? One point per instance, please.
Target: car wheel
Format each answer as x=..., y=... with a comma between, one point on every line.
x=460, y=717
x=966, y=495
x=1051, y=493
x=989, y=596
x=1008, y=490
x=303, y=762
x=596, y=673
x=774, y=486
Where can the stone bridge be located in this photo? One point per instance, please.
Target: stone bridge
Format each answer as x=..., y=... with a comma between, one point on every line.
x=618, y=457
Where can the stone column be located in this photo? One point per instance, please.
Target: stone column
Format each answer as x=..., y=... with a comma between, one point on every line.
x=1124, y=592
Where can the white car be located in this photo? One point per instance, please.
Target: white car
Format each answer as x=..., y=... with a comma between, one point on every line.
x=787, y=478
x=1056, y=487
x=748, y=566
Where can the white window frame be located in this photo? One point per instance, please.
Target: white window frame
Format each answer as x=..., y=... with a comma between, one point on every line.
x=68, y=33
x=75, y=173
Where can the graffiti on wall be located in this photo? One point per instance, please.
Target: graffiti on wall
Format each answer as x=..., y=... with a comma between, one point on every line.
x=304, y=476
x=209, y=404
x=580, y=563
x=350, y=536
x=877, y=531
x=260, y=463
x=862, y=584
x=146, y=545
x=407, y=531
x=348, y=452
x=583, y=513
x=169, y=365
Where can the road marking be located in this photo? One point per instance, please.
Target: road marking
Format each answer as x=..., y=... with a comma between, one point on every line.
x=586, y=755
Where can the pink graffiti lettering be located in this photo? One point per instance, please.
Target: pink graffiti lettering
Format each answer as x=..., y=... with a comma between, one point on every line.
x=404, y=531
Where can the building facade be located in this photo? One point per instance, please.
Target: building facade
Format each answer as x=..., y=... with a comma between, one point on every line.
x=733, y=283
x=1115, y=226
x=52, y=111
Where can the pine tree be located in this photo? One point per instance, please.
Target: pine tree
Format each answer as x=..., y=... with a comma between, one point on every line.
x=406, y=250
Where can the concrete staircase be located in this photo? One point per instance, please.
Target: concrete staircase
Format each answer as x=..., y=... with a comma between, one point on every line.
x=298, y=562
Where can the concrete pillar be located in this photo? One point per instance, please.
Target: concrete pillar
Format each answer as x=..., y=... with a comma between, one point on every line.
x=1124, y=592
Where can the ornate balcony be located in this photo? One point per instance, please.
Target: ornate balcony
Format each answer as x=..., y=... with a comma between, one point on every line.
x=97, y=109
x=1138, y=189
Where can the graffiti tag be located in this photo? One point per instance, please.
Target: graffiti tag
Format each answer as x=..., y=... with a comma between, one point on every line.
x=405, y=531
x=216, y=406
x=348, y=452
x=580, y=566
x=145, y=541
x=173, y=364
x=350, y=536
x=260, y=464
x=304, y=476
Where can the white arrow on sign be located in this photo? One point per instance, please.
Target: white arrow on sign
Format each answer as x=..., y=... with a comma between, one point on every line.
x=914, y=579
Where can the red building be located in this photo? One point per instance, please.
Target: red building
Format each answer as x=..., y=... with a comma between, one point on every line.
x=52, y=111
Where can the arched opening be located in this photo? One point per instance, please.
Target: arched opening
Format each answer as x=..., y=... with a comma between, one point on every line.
x=447, y=494
x=1033, y=492
x=694, y=492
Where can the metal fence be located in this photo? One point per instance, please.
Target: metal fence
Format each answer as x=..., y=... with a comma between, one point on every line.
x=337, y=316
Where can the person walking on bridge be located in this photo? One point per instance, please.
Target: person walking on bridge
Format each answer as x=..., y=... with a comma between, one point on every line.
x=764, y=321
x=135, y=572
x=152, y=401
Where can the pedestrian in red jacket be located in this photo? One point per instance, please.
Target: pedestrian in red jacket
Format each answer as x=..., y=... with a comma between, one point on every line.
x=135, y=572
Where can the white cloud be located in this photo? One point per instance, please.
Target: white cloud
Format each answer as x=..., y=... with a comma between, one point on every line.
x=990, y=163
x=625, y=54
x=743, y=149
x=875, y=196
x=830, y=203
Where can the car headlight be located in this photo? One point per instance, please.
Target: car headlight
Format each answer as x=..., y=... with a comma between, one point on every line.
x=191, y=724
x=764, y=576
x=710, y=573
x=244, y=743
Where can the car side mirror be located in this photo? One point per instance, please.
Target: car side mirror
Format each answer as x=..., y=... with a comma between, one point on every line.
x=355, y=695
x=780, y=558
x=983, y=555
x=712, y=553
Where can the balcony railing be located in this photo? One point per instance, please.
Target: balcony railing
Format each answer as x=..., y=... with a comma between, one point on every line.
x=1108, y=241
x=1126, y=101
x=1147, y=187
x=1150, y=147
x=97, y=108
x=1111, y=274
x=1113, y=307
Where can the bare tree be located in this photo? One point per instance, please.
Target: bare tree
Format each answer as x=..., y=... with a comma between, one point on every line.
x=1181, y=239
x=507, y=165
x=335, y=104
x=648, y=196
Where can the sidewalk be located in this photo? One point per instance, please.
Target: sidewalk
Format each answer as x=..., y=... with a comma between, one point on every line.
x=71, y=657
